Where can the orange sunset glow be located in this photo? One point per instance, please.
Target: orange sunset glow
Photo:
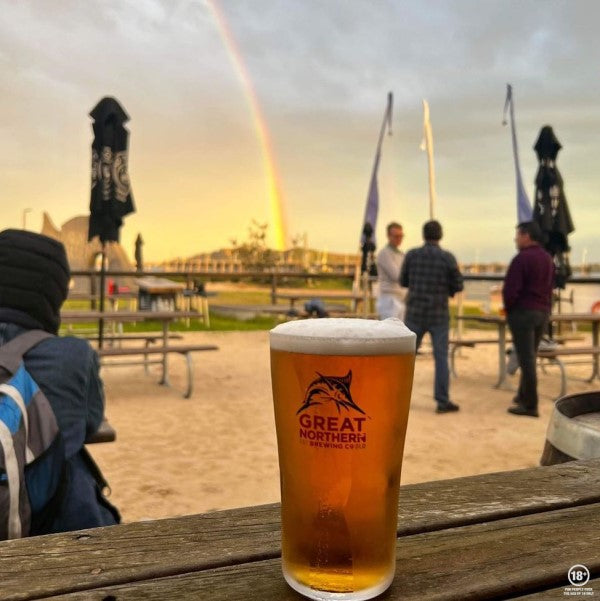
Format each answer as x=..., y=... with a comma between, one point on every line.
x=270, y=111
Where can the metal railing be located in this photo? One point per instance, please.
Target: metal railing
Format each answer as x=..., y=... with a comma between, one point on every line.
x=276, y=278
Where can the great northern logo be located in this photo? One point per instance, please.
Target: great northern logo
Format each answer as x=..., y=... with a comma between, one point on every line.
x=341, y=431
x=330, y=389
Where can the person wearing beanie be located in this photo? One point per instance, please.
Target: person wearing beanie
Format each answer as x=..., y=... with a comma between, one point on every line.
x=34, y=282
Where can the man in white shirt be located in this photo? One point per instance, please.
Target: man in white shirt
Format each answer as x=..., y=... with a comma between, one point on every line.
x=390, y=302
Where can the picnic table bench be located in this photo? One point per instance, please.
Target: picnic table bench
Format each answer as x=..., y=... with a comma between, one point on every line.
x=554, y=356
x=184, y=349
x=292, y=297
x=149, y=338
x=242, y=311
x=551, y=354
x=458, y=343
x=495, y=536
x=164, y=349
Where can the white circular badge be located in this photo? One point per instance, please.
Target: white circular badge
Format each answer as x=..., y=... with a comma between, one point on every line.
x=578, y=575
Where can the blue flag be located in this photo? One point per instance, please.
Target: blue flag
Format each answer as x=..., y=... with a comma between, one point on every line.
x=372, y=208
x=524, y=210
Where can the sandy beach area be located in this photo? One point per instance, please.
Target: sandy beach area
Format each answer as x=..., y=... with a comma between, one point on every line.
x=217, y=450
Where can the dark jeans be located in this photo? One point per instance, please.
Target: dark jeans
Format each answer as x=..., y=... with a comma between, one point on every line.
x=439, y=340
x=527, y=328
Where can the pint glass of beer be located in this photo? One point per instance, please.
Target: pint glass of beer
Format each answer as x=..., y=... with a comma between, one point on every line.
x=341, y=392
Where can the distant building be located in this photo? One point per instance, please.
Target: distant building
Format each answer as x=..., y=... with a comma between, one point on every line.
x=84, y=255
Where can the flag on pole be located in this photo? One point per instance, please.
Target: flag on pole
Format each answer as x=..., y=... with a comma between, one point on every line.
x=427, y=144
x=372, y=208
x=524, y=210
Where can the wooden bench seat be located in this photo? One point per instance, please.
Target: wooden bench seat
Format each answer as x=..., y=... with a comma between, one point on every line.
x=333, y=309
x=147, y=338
x=553, y=356
x=455, y=344
x=185, y=350
x=563, y=351
x=292, y=297
x=472, y=343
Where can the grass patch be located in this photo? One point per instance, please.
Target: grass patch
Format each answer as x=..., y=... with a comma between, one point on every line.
x=316, y=283
x=218, y=323
x=242, y=297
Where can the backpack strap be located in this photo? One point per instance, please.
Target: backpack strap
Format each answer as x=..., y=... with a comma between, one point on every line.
x=11, y=353
x=11, y=464
x=13, y=445
x=11, y=357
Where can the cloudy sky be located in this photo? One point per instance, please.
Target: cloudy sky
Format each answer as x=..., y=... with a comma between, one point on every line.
x=308, y=78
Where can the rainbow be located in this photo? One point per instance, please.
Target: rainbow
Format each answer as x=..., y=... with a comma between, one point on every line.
x=275, y=196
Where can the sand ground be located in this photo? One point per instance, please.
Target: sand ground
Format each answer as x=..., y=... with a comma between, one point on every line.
x=217, y=450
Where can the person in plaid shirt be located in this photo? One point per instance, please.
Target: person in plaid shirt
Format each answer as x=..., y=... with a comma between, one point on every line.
x=431, y=275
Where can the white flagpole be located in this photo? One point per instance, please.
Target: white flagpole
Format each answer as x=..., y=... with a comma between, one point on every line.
x=427, y=144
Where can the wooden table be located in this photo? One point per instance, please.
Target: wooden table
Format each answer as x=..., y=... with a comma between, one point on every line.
x=165, y=318
x=158, y=294
x=500, y=322
x=292, y=297
x=497, y=536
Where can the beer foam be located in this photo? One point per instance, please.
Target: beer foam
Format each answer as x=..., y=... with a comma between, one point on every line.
x=344, y=336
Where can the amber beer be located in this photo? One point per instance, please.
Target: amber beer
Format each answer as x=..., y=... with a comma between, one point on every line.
x=341, y=393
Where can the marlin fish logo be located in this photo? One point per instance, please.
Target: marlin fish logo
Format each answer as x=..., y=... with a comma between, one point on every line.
x=327, y=389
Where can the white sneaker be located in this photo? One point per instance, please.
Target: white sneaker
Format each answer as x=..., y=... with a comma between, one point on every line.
x=513, y=362
x=546, y=344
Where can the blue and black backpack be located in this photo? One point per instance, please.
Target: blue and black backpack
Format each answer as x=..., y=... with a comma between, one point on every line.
x=33, y=470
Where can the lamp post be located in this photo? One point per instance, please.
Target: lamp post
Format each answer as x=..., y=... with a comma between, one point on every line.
x=25, y=211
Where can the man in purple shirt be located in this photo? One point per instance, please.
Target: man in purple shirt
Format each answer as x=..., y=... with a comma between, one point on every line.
x=527, y=296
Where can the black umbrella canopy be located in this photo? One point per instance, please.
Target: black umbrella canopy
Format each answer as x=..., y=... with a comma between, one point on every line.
x=111, y=196
x=550, y=209
x=368, y=251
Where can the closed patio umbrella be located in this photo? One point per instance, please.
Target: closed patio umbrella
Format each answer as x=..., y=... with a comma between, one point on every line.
x=111, y=196
x=550, y=209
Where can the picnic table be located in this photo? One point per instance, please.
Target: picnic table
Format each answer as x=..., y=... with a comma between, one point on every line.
x=166, y=318
x=495, y=536
x=500, y=322
x=594, y=320
x=292, y=297
x=552, y=354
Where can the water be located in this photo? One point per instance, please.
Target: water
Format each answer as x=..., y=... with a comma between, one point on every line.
x=488, y=295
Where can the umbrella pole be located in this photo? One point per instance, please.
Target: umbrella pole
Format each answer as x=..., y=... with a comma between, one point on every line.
x=102, y=286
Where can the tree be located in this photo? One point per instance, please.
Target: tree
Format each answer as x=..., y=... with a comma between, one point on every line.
x=253, y=254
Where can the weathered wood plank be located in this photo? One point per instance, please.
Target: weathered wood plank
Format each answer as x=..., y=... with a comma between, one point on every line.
x=34, y=567
x=166, y=547
x=154, y=350
x=447, y=503
x=152, y=337
x=499, y=560
x=563, y=592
